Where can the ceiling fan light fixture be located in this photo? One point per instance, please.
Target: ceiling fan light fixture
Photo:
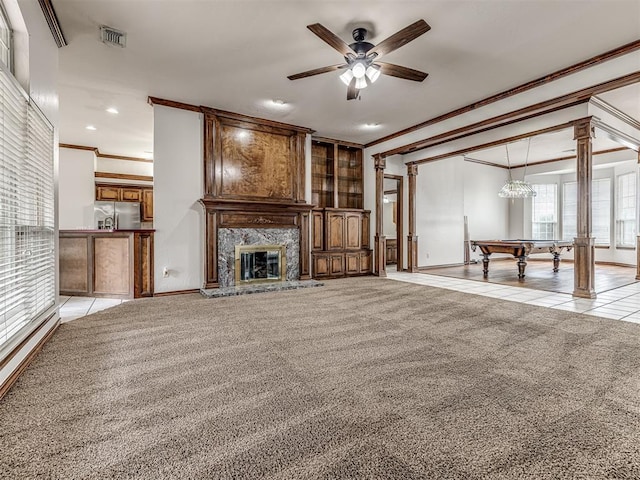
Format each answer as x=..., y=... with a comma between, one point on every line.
x=361, y=83
x=359, y=70
x=373, y=72
x=346, y=77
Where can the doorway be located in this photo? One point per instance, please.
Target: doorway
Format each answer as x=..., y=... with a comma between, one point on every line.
x=392, y=220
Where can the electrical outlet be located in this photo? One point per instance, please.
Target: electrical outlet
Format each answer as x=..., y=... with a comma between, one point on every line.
x=165, y=272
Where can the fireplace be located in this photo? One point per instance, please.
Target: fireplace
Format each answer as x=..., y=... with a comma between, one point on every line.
x=260, y=263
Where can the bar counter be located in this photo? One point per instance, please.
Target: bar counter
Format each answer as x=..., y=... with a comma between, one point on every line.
x=106, y=263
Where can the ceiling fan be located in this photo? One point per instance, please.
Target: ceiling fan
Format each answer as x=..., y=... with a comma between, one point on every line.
x=362, y=66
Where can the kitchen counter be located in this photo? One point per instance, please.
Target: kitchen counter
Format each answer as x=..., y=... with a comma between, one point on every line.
x=106, y=263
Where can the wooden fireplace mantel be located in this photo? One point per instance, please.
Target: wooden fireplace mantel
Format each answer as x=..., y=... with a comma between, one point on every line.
x=227, y=213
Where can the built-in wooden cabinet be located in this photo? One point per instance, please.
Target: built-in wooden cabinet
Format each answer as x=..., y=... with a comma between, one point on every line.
x=128, y=193
x=392, y=251
x=340, y=238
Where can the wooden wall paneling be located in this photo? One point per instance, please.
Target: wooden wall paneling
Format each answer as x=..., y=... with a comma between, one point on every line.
x=211, y=179
x=211, y=250
x=379, y=265
x=412, y=238
x=143, y=265
x=584, y=250
x=305, y=267
x=111, y=257
x=317, y=230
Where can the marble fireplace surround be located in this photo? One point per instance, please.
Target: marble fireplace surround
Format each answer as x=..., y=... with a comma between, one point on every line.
x=231, y=222
x=228, y=238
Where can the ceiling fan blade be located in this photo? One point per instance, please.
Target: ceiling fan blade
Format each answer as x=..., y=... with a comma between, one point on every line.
x=400, y=38
x=352, y=91
x=317, y=71
x=401, y=72
x=332, y=39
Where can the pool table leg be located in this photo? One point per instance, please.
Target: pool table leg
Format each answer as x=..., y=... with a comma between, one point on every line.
x=522, y=263
x=556, y=261
x=485, y=264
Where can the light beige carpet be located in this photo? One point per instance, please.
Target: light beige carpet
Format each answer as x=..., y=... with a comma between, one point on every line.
x=361, y=378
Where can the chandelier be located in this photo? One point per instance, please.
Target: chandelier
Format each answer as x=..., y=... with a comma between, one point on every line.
x=517, y=188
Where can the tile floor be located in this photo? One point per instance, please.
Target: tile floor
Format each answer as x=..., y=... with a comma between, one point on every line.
x=620, y=304
x=76, y=307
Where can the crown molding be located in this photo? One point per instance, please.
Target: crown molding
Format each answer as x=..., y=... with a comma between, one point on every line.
x=52, y=20
x=104, y=155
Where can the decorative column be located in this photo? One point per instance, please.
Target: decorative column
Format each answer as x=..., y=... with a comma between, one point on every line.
x=412, y=238
x=380, y=241
x=584, y=250
x=638, y=237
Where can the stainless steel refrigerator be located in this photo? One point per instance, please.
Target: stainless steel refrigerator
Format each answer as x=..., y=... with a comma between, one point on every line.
x=117, y=215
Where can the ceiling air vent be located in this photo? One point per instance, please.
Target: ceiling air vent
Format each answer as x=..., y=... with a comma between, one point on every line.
x=111, y=36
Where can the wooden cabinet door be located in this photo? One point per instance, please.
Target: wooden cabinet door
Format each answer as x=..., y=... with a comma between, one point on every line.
x=147, y=205
x=337, y=265
x=335, y=230
x=365, y=229
x=320, y=266
x=365, y=262
x=318, y=231
x=353, y=232
x=108, y=193
x=352, y=261
x=131, y=194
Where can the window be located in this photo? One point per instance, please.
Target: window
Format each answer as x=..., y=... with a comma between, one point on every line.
x=569, y=211
x=601, y=211
x=626, y=210
x=5, y=40
x=27, y=234
x=544, y=212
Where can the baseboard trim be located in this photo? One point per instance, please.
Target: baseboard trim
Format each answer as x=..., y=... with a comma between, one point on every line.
x=176, y=292
x=13, y=377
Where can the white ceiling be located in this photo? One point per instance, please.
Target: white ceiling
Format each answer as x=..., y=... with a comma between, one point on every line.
x=235, y=55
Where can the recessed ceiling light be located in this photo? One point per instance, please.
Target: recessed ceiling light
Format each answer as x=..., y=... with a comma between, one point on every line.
x=371, y=126
x=279, y=101
x=90, y=127
x=113, y=110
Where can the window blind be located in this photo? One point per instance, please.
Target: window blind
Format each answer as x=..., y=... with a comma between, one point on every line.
x=626, y=210
x=544, y=211
x=27, y=228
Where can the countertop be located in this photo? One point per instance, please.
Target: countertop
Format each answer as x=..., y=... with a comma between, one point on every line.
x=104, y=230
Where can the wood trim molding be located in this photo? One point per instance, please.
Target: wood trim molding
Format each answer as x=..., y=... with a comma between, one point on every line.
x=541, y=162
x=259, y=121
x=610, y=109
x=8, y=383
x=52, y=20
x=124, y=176
x=337, y=142
x=538, y=109
x=494, y=143
x=611, y=54
x=99, y=154
x=173, y=104
x=177, y=292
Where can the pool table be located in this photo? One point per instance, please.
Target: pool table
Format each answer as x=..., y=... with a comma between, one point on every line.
x=520, y=249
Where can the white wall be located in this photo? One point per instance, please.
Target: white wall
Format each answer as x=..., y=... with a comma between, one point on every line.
x=128, y=167
x=440, y=203
x=487, y=214
x=76, y=189
x=178, y=185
